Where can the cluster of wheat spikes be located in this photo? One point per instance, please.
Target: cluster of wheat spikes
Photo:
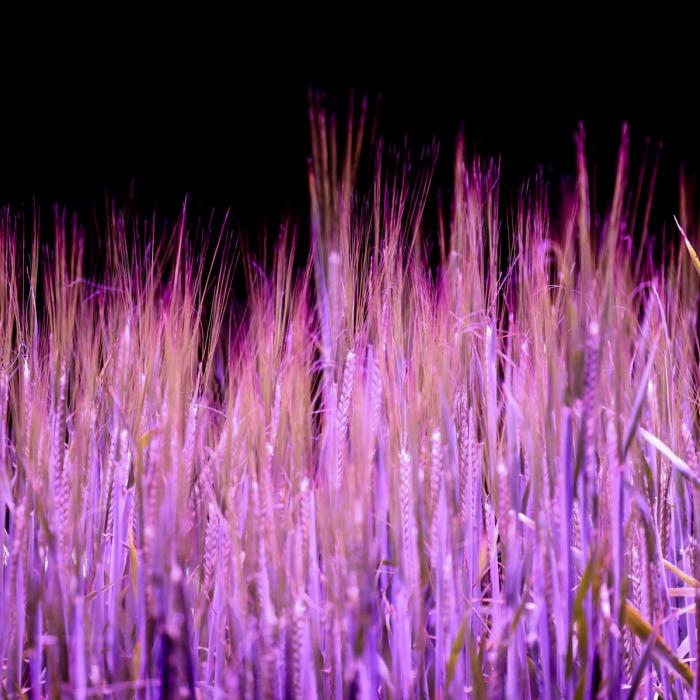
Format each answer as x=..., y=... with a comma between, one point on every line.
x=381, y=478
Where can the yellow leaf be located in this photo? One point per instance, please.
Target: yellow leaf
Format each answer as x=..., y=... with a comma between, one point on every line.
x=136, y=661
x=146, y=438
x=134, y=558
x=691, y=250
x=483, y=557
x=643, y=629
x=686, y=578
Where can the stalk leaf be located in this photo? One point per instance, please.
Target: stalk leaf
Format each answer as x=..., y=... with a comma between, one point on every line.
x=639, y=398
x=680, y=465
x=457, y=646
x=644, y=630
x=643, y=662
x=686, y=578
x=478, y=685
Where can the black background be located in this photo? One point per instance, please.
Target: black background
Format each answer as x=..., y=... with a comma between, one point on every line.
x=165, y=115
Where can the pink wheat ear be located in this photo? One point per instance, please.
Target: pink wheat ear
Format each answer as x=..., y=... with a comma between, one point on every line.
x=436, y=492
x=343, y=414
x=408, y=526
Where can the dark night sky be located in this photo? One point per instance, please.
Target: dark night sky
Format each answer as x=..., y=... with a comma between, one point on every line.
x=229, y=125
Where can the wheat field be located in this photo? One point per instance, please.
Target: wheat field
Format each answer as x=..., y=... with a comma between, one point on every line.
x=423, y=459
